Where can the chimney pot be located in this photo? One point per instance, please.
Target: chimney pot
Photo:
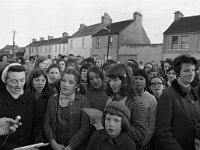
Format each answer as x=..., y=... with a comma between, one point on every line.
x=65, y=34
x=177, y=15
x=50, y=37
x=41, y=38
x=137, y=17
x=105, y=19
x=34, y=40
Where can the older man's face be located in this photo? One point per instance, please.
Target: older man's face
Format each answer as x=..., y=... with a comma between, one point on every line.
x=15, y=82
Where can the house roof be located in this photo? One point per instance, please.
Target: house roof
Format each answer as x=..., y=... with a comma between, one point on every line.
x=115, y=28
x=184, y=25
x=53, y=41
x=7, y=47
x=88, y=30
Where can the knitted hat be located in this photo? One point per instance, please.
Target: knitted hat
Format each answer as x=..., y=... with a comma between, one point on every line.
x=120, y=107
x=140, y=72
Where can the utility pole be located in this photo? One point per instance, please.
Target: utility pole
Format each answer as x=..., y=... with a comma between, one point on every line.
x=13, y=50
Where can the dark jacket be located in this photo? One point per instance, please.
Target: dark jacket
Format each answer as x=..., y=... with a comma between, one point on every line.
x=26, y=107
x=79, y=127
x=178, y=111
x=100, y=140
x=97, y=98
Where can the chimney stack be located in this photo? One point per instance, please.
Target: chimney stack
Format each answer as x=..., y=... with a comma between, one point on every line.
x=82, y=26
x=177, y=15
x=34, y=40
x=65, y=34
x=105, y=19
x=50, y=37
x=41, y=38
x=137, y=17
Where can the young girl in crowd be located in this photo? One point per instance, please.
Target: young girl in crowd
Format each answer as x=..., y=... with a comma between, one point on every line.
x=120, y=88
x=147, y=67
x=157, y=86
x=42, y=63
x=53, y=74
x=72, y=64
x=62, y=65
x=66, y=125
x=95, y=90
x=141, y=85
x=38, y=85
x=114, y=136
x=171, y=75
x=83, y=71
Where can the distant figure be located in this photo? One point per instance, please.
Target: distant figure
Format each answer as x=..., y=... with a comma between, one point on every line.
x=4, y=58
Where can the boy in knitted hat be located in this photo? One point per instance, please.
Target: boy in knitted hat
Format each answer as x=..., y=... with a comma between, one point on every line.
x=114, y=136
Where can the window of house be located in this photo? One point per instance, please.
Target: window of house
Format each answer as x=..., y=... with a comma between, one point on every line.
x=185, y=42
x=98, y=42
x=199, y=42
x=71, y=44
x=111, y=41
x=63, y=48
x=174, y=43
x=83, y=42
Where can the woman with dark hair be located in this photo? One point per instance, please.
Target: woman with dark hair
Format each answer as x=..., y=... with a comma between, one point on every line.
x=95, y=91
x=62, y=65
x=20, y=60
x=178, y=109
x=147, y=67
x=83, y=72
x=120, y=88
x=38, y=85
x=171, y=75
x=66, y=125
x=53, y=74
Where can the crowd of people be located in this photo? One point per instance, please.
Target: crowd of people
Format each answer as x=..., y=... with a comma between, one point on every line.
x=150, y=107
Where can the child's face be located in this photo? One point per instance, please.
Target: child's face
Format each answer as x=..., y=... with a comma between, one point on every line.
x=95, y=80
x=157, y=87
x=115, y=84
x=171, y=75
x=140, y=82
x=39, y=83
x=113, y=125
x=54, y=74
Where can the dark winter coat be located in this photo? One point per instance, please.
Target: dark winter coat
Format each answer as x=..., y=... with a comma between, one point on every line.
x=178, y=111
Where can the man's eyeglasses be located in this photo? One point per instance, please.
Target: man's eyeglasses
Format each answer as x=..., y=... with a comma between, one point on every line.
x=157, y=84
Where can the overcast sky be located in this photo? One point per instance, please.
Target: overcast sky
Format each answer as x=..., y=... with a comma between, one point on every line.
x=42, y=18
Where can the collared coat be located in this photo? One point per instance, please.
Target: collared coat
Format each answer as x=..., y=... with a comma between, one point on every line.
x=100, y=140
x=176, y=117
x=79, y=126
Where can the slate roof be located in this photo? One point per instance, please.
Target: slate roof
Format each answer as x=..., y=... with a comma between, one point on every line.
x=185, y=25
x=49, y=42
x=88, y=30
x=10, y=47
x=115, y=28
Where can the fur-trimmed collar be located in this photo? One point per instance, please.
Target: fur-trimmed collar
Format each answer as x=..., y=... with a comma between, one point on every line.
x=178, y=88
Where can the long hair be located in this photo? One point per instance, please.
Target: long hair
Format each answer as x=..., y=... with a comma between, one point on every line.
x=34, y=74
x=96, y=70
x=121, y=71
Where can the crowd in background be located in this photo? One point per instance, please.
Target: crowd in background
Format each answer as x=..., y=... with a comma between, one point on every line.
x=145, y=107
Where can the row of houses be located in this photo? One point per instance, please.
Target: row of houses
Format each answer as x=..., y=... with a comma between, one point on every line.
x=123, y=40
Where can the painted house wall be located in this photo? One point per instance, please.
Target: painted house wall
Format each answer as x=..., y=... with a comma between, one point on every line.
x=194, y=49
x=134, y=34
x=142, y=52
x=78, y=48
x=101, y=52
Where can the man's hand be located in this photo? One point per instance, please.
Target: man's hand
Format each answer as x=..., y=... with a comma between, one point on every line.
x=8, y=125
